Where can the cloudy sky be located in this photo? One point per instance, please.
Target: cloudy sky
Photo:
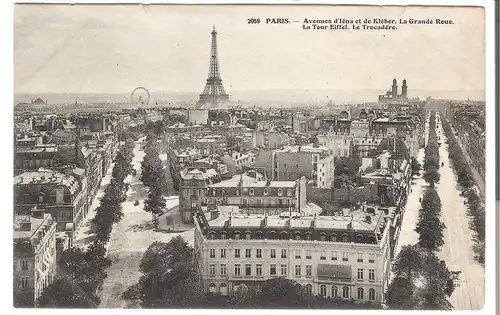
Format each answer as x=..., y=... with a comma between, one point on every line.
x=114, y=48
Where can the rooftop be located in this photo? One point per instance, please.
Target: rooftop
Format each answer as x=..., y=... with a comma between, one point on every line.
x=248, y=181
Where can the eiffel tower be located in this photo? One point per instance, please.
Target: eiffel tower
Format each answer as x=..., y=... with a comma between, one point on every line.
x=213, y=95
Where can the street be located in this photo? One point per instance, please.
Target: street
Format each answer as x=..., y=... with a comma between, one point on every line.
x=457, y=250
x=130, y=237
x=475, y=174
x=407, y=235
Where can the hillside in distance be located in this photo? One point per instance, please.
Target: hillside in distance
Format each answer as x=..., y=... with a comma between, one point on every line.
x=249, y=98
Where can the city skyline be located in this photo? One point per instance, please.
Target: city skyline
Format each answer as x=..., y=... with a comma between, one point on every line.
x=78, y=49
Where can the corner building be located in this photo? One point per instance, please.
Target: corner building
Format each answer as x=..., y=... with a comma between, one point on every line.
x=345, y=256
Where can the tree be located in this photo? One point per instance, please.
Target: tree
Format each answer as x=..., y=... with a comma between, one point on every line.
x=64, y=293
x=430, y=230
x=431, y=203
x=169, y=277
x=155, y=203
x=280, y=293
x=408, y=263
x=400, y=294
x=431, y=176
x=415, y=167
x=438, y=284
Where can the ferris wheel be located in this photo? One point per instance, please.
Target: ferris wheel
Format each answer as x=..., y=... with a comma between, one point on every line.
x=137, y=97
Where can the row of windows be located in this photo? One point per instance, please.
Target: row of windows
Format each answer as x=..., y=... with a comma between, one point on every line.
x=273, y=270
x=298, y=254
x=324, y=291
x=344, y=238
x=251, y=192
x=334, y=292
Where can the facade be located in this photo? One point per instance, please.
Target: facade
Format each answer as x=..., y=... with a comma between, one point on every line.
x=346, y=257
x=254, y=195
x=325, y=174
x=192, y=190
x=63, y=195
x=34, y=256
x=339, y=144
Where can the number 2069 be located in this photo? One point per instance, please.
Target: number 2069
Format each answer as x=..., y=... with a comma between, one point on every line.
x=253, y=21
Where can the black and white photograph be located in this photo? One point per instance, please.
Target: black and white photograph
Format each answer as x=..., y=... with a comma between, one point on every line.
x=171, y=156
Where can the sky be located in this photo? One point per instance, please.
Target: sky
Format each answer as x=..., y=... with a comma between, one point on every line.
x=115, y=48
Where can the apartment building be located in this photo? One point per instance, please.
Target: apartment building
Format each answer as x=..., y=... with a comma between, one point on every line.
x=63, y=195
x=34, y=256
x=344, y=256
x=257, y=195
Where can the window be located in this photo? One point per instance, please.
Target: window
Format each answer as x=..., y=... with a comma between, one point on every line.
x=212, y=288
x=335, y=291
x=333, y=237
x=323, y=237
x=298, y=254
x=223, y=269
x=371, y=294
x=248, y=270
x=237, y=270
x=24, y=282
x=323, y=255
x=258, y=270
x=361, y=293
x=308, y=254
x=283, y=270
x=371, y=274
x=334, y=255
x=272, y=235
x=223, y=235
x=272, y=270
x=252, y=192
x=309, y=290
x=360, y=257
x=24, y=265
x=289, y=192
x=345, y=292
x=211, y=236
x=360, y=274
x=344, y=238
x=237, y=253
x=308, y=237
x=280, y=192
x=266, y=191
x=297, y=237
x=298, y=269
x=212, y=253
x=212, y=270
x=193, y=204
x=223, y=253
x=258, y=253
x=283, y=253
x=236, y=235
x=322, y=290
x=309, y=270
x=273, y=253
x=237, y=192
x=371, y=258
x=248, y=253
x=248, y=236
x=345, y=256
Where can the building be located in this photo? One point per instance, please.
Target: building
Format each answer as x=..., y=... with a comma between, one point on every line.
x=346, y=256
x=392, y=94
x=255, y=195
x=193, y=187
x=325, y=173
x=34, y=256
x=63, y=195
x=341, y=145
